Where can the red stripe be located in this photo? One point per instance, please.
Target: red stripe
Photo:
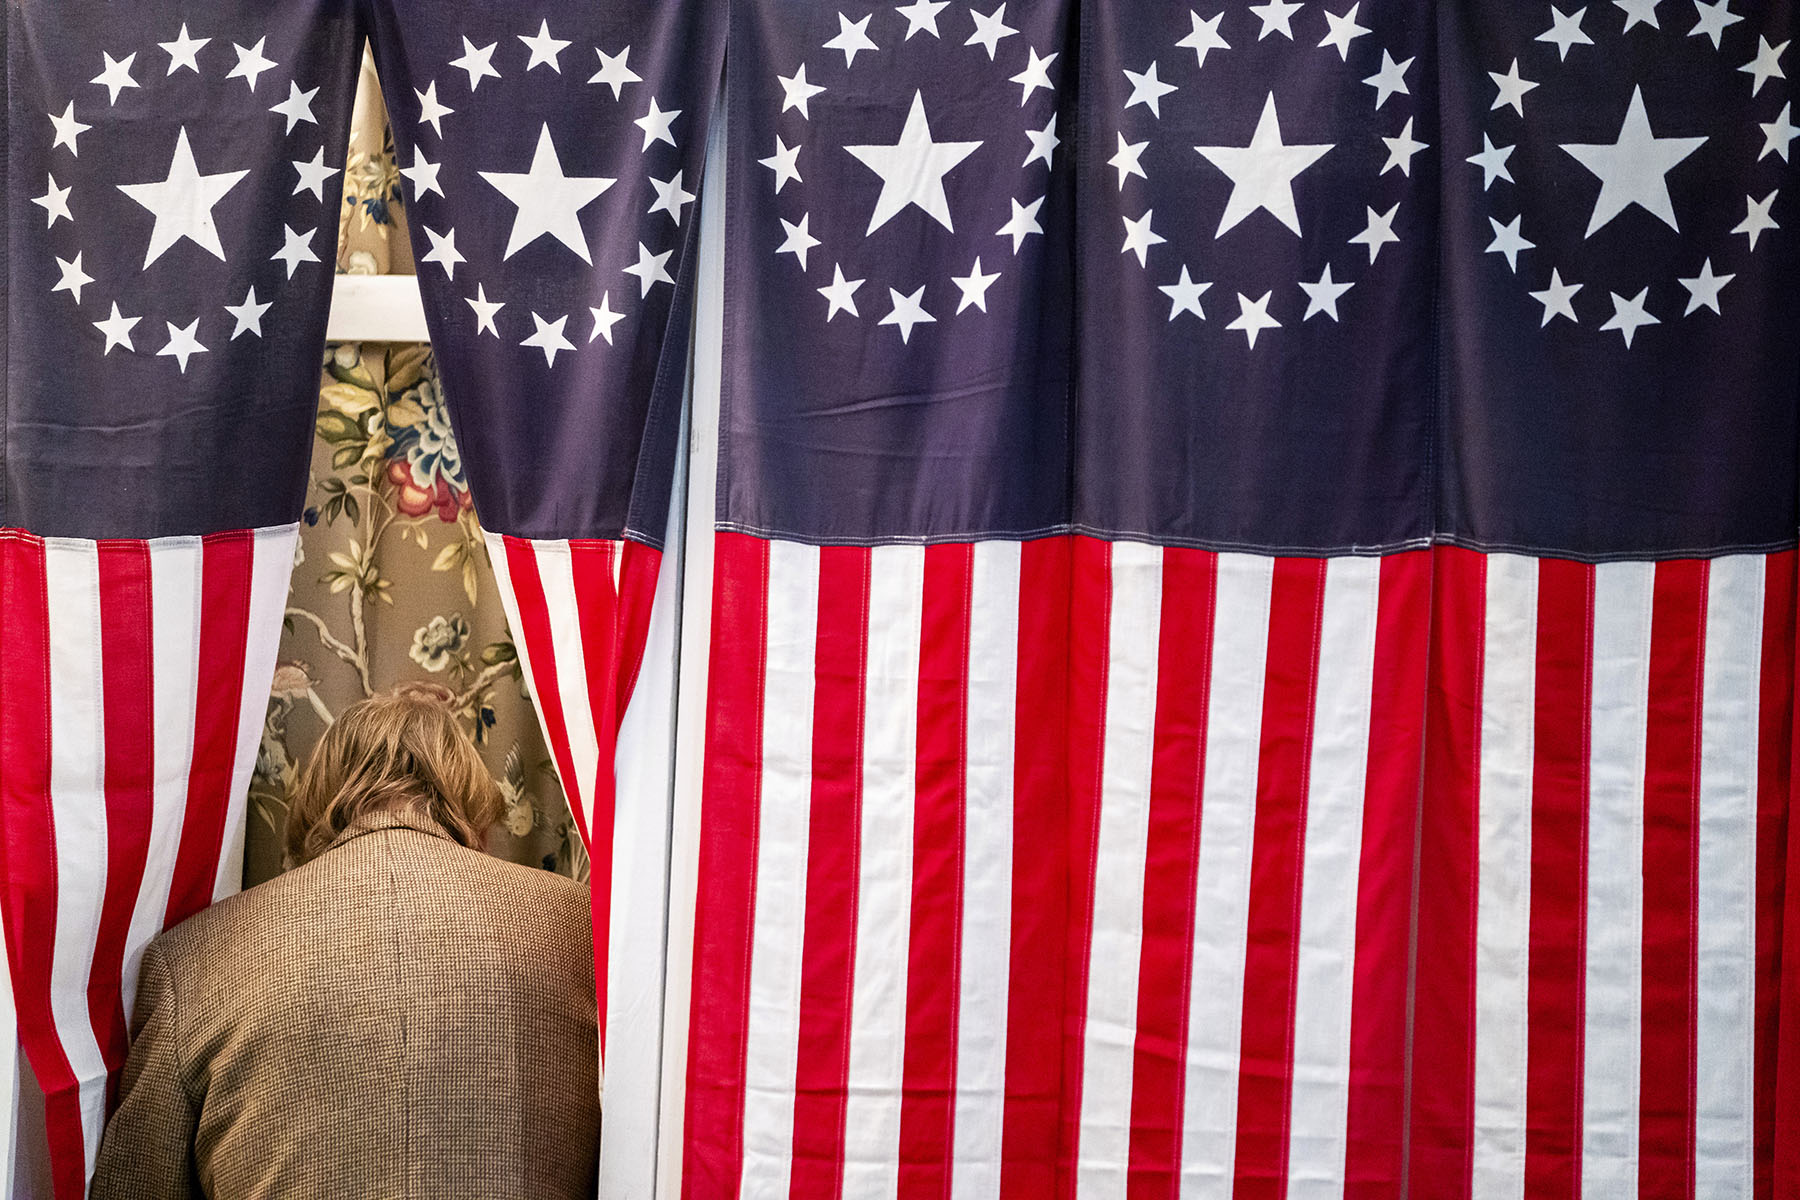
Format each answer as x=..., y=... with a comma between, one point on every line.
x=1558, y=933
x=1376, y=1116
x=1442, y=1074
x=713, y=1160
x=639, y=566
x=1296, y=609
x=1087, y=649
x=28, y=847
x=127, y=684
x=597, y=612
x=226, y=561
x=1041, y=841
x=540, y=653
x=934, y=955
x=1671, y=880
x=1777, y=1088
x=828, y=955
x=1171, y=858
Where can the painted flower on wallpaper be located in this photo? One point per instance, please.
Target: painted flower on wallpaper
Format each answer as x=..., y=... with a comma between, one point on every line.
x=436, y=643
x=424, y=464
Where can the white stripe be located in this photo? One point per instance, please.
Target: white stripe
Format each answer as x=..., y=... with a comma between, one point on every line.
x=271, y=568
x=987, y=871
x=1110, y=1037
x=1503, y=874
x=1325, y=975
x=1222, y=888
x=509, y=603
x=1725, y=905
x=884, y=900
x=568, y=659
x=78, y=810
x=773, y=1035
x=1612, y=1042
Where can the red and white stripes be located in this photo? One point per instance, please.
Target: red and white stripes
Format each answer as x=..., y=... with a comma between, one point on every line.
x=135, y=680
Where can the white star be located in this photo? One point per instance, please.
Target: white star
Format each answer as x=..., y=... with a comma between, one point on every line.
x=1035, y=75
x=1756, y=218
x=485, y=311
x=1322, y=297
x=248, y=316
x=297, y=107
x=1148, y=90
x=1378, y=232
x=183, y=203
x=1639, y=10
x=1275, y=16
x=313, y=175
x=1043, y=143
x=1344, y=30
x=478, y=63
x=799, y=239
x=785, y=162
x=117, y=329
x=549, y=202
x=614, y=71
x=1765, y=66
x=1401, y=150
x=908, y=311
x=545, y=50
x=1022, y=224
x=912, y=170
x=295, y=250
x=604, y=319
x=670, y=197
x=1492, y=161
x=1127, y=160
x=921, y=17
x=1557, y=299
x=1139, y=237
x=549, y=338
x=1390, y=79
x=852, y=39
x=1714, y=17
x=1703, y=289
x=1632, y=169
x=1565, y=31
x=1184, y=295
x=182, y=50
x=251, y=63
x=1777, y=134
x=974, y=286
x=443, y=251
x=1628, y=315
x=650, y=269
x=68, y=129
x=1512, y=89
x=1262, y=173
x=655, y=124
x=55, y=202
x=1508, y=241
x=183, y=345
x=1204, y=38
x=73, y=278
x=841, y=293
x=117, y=76
x=423, y=174
x=431, y=110
x=989, y=30
x=1253, y=316
x=796, y=91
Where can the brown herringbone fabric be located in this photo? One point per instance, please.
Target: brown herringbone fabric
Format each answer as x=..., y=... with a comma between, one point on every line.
x=401, y=1017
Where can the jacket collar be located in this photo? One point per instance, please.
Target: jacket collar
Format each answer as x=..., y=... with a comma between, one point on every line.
x=403, y=818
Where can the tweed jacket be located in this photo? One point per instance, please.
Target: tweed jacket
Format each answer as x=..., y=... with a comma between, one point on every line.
x=400, y=1017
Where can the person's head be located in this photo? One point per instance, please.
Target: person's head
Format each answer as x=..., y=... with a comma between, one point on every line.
x=399, y=751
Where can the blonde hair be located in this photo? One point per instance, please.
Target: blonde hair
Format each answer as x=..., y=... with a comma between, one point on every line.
x=399, y=751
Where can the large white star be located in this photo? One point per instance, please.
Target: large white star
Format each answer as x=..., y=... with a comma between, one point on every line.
x=479, y=63
x=247, y=317
x=907, y=312
x=671, y=197
x=799, y=239
x=1557, y=299
x=852, y=38
x=974, y=286
x=796, y=91
x=604, y=319
x=1262, y=173
x=1703, y=289
x=485, y=311
x=182, y=203
x=68, y=129
x=297, y=107
x=183, y=345
x=117, y=329
x=1714, y=16
x=1629, y=315
x=1203, y=39
x=545, y=50
x=1139, y=237
x=1765, y=66
x=549, y=338
x=1147, y=89
x=548, y=201
x=1756, y=218
x=1390, y=79
x=55, y=203
x=1379, y=231
x=1401, y=150
x=251, y=63
x=1777, y=134
x=1492, y=161
x=313, y=175
x=1184, y=295
x=117, y=75
x=1344, y=30
x=1253, y=317
x=1512, y=89
x=296, y=248
x=656, y=123
x=921, y=17
x=1276, y=17
x=1632, y=168
x=615, y=71
x=432, y=111
x=912, y=170
x=182, y=50
x=73, y=277
x=1023, y=223
x=1322, y=297
x=840, y=294
x=1565, y=31
x=650, y=269
x=1509, y=241
x=785, y=162
x=989, y=30
x=1639, y=11
x=1035, y=75
x=443, y=251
